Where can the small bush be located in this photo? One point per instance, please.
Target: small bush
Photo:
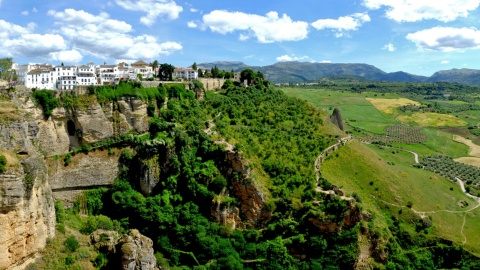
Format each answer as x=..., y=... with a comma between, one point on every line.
x=71, y=243
x=3, y=162
x=67, y=159
x=69, y=260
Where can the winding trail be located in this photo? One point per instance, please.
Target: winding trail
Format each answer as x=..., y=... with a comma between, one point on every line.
x=415, y=155
x=423, y=214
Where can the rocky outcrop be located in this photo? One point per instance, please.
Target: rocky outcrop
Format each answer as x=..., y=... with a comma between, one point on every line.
x=93, y=123
x=137, y=252
x=250, y=196
x=350, y=218
x=134, y=251
x=27, y=213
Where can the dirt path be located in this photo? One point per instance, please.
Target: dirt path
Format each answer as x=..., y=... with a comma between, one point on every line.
x=415, y=155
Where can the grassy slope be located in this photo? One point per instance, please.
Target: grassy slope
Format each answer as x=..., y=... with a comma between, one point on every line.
x=355, y=109
x=398, y=184
x=438, y=142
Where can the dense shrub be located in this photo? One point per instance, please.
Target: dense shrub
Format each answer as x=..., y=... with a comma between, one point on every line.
x=71, y=243
x=47, y=100
x=3, y=162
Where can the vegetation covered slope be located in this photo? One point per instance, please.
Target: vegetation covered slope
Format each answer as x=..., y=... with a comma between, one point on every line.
x=278, y=139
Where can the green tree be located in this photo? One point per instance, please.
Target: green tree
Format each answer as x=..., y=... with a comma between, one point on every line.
x=6, y=71
x=248, y=75
x=165, y=72
x=155, y=67
x=194, y=66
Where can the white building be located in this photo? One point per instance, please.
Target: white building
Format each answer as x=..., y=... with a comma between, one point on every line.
x=40, y=79
x=45, y=76
x=141, y=67
x=66, y=77
x=185, y=73
x=23, y=70
x=86, y=75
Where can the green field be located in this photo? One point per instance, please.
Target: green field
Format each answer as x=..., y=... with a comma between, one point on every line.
x=356, y=110
x=386, y=180
x=438, y=142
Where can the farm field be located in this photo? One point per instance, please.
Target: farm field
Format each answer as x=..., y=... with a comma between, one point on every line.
x=432, y=120
x=389, y=105
x=474, y=161
x=474, y=149
x=387, y=181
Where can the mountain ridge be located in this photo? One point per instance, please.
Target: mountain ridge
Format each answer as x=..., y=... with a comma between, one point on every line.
x=300, y=72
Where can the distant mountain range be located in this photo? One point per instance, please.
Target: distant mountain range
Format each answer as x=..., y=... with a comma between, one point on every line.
x=299, y=72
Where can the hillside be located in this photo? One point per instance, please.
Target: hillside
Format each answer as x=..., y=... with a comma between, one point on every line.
x=464, y=75
x=299, y=72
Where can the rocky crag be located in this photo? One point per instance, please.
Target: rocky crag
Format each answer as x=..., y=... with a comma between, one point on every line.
x=35, y=177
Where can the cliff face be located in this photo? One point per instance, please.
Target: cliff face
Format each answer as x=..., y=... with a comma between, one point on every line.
x=70, y=128
x=251, y=197
x=86, y=171
x=27, y=214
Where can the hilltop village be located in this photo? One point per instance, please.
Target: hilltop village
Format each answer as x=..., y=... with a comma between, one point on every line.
x=47, y=76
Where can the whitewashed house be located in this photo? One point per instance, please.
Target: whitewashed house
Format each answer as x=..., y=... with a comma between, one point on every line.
x=185, y=73
x=67, y=77
x=40, y=79
x=86, y=75
x=143, y=68
x=109, y=74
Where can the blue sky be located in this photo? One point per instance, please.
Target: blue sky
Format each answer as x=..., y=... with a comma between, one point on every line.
x=416, y=36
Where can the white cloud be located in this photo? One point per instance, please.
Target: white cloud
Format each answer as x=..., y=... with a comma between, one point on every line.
x=107, y=38
x=153, y=8
x=25, y=12
x=192, y=24
x=266, y=29
x=342, y=24
x=35, y=10
x=193, y=10
x=73, y=16
x=33, y=45
x=446, y=39
x=444, y=62
x=288, y=58
x=389, y=47
x=70, y=56
x=7, y=29
x=326, y=61
x=417, y=10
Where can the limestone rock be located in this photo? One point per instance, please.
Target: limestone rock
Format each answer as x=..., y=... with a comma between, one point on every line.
x=104, y=240
x=93, y=124
x=137, y=252
x=134, y=112
x=27, y=217
x=250, y=196
x=86, y=171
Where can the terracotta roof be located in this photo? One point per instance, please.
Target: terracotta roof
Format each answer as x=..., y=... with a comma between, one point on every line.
x=140, y=63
